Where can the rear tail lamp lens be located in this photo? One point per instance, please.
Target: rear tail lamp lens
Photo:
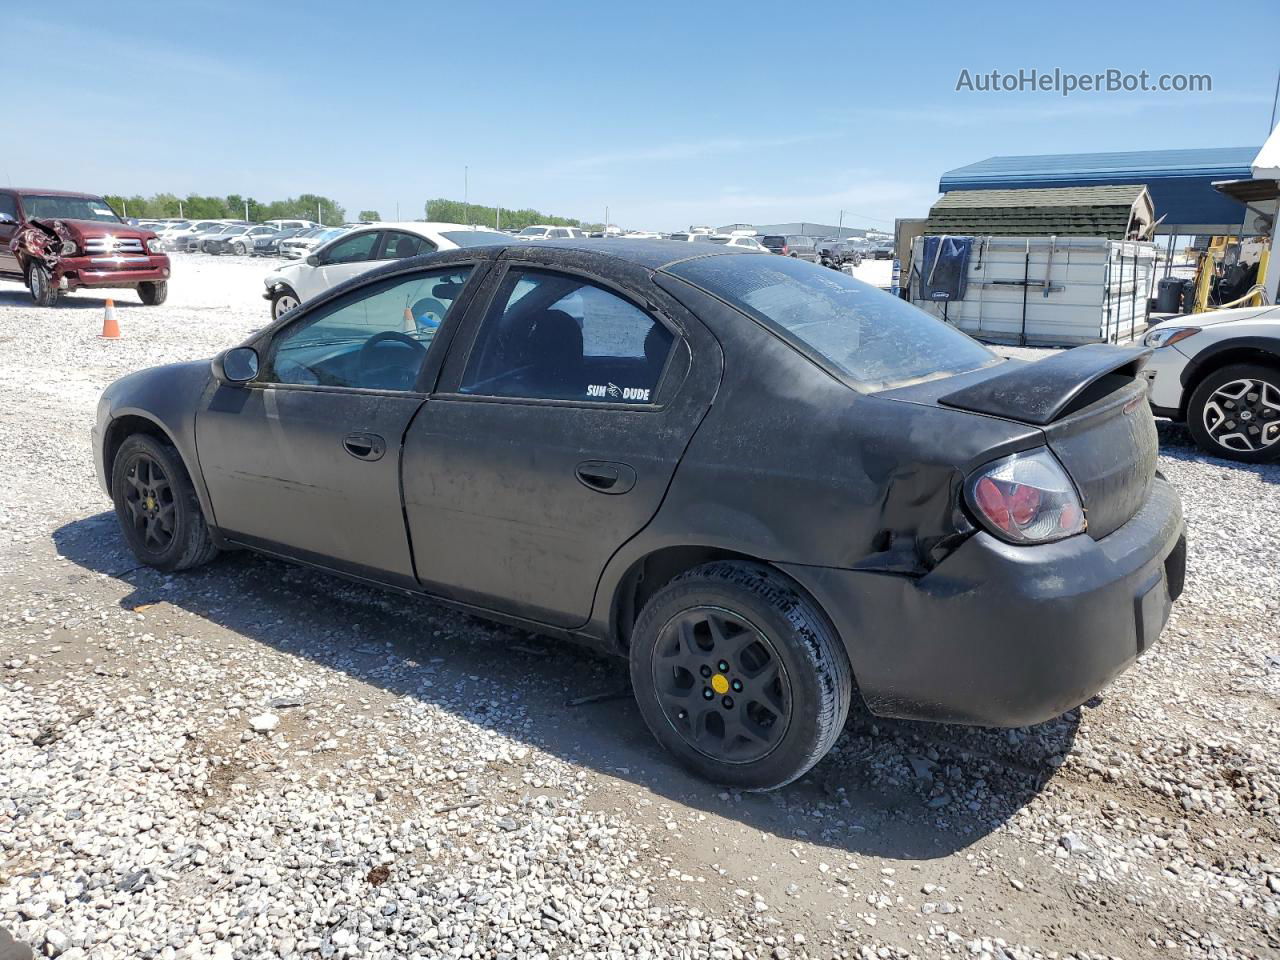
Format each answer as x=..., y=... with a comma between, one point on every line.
x=1026, y=498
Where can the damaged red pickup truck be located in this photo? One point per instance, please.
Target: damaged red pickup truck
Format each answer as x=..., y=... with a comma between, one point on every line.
x=55, y=242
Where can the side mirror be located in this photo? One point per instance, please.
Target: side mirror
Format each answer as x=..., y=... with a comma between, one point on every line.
x=313, y=261
x=235, y=367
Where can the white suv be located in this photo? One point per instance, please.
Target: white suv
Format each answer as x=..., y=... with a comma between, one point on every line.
x=1220, y=373
x=364, y=248
x=544, y=231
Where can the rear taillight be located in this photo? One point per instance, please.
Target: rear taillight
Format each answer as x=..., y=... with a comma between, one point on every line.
x=1026, y=498
x=785, y=250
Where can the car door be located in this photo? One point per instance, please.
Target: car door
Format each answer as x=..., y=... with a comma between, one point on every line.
x=8, y=227
x=346, y=257
x=558, y=424
x=304, y=461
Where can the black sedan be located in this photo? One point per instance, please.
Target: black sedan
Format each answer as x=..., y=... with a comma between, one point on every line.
x=765, y=483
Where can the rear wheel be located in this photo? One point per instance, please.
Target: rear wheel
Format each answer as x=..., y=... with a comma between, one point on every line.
x=740, y=675
x=153, y=293
x=239, y=248
x=283, y=299
x=157, y=507
x=44, y=293
x=1235, y=413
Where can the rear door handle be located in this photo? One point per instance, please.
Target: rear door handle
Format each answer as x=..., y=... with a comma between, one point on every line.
x=364, y=446
x=606, y=476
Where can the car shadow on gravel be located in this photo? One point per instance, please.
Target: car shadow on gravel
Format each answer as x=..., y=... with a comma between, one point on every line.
x=80, y=300
x=907, y=791
x=1176, y=443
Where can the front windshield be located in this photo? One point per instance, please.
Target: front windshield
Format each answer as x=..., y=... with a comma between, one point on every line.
x=857, y=331
x=473, y=238
x=42, y=207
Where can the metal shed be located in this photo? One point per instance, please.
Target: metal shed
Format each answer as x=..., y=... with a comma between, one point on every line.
x=1113, y=212
x=1180, y=181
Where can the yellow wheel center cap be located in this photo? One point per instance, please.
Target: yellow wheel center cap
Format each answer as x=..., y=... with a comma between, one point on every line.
x=151, y=503
x=719, y=684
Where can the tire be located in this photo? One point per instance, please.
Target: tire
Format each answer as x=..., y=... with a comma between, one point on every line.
x=44, y=293
x=238, y=247
x=153, y=293
x=283, y=299
x=157, y=507
x=1235, y=413
x=777, y=675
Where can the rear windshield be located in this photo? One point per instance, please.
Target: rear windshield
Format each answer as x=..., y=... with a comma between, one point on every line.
x=774, y=241
x=474, y=238
x=41, y=207
x=862, y=334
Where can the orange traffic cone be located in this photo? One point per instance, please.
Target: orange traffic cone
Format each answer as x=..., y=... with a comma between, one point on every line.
x=410, y=325
x=110, y=329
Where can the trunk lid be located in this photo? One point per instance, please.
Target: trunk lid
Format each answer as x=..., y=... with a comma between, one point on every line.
x=1091, y=409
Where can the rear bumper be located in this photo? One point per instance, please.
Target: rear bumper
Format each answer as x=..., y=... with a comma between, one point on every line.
x=125, y=270
x=999, y=635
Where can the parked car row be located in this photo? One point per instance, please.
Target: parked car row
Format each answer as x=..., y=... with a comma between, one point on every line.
x=238, y=237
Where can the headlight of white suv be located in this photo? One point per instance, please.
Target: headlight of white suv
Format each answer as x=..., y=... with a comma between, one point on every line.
x=1168, y=336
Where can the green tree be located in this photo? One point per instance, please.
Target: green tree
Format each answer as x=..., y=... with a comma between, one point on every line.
x=455, y=211
x=370, y=215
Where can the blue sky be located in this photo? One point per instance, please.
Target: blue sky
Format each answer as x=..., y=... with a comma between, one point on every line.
x=670, y=113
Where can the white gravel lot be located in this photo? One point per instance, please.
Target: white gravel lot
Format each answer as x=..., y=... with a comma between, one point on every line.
x=255, y=760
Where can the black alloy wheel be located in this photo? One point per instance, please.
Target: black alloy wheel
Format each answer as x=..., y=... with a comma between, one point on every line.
x=721, y=684
x=149, y=501
x=740, y=674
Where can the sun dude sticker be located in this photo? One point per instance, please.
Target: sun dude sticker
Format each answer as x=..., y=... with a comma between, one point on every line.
x=611, y=391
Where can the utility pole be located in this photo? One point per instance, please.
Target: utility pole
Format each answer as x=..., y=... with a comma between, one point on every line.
x=397, y=211
x=246, y=211
x=497, y=224
x=606, y=218
x=840, y=227
x=181, y=216
x=319, y=215
x=466, y=197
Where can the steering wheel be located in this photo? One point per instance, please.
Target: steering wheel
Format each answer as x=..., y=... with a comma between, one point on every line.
x=365, y=358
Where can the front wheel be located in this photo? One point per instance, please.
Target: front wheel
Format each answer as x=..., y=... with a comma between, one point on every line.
x=283, y=299
x=239, y=248
x=1235, y=413
x=157, y=507
x=740, y=675
x=44, y=293
x=153, y=293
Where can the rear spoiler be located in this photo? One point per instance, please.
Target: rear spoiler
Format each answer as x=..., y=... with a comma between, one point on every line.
x=1040, y=393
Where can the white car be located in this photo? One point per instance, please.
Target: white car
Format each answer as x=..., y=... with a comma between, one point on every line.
x=544, y=231
x=737, y=240
x=298, y=246
x=1219, y=372
x=364, y=248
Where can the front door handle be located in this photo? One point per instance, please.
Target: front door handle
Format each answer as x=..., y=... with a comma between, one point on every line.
x=364, y=446
x=606, y=476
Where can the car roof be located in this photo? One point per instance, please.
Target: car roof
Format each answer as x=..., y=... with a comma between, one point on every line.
x=650, y=254
x=54, y=193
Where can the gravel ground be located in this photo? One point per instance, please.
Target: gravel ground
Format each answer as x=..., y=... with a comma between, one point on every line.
x=254, y=760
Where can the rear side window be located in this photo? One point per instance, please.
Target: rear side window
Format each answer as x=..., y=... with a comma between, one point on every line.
x=8, y=206
x=551, y=336
x=397, y=245
x=858, y=332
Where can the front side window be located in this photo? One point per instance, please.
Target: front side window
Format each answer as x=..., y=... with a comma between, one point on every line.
x=8, y=207
x=375, y=338
x=552, y=336
x=353, y=249
x=861, y=333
